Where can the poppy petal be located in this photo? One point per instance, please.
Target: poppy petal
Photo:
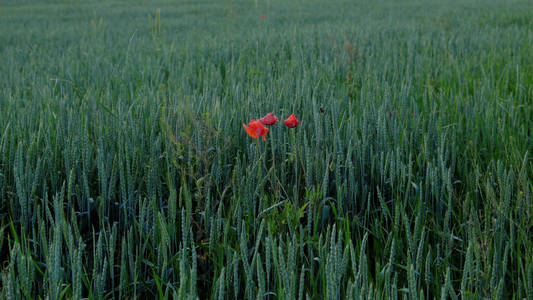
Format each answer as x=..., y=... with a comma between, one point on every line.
x=291, y=122
x=250, y=131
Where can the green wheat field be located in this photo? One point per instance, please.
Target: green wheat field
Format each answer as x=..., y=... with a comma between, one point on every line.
x=126, y=173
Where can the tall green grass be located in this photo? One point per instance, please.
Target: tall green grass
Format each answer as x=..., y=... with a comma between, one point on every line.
x=125, y=171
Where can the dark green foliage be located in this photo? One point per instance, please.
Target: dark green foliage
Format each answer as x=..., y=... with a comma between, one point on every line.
x=125, y=171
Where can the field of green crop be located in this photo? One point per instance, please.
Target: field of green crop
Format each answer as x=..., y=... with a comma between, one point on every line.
x=125, y=171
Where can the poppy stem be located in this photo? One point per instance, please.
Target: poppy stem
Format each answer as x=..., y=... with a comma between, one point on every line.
x=295, y=152
x=260, y=155
x=272, y=148
x=258, y=147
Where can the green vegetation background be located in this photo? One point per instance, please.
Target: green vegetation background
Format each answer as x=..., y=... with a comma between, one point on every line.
x=125, y=171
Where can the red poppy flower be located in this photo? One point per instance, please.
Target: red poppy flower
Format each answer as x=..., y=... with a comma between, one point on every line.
x=291, y=122
x=262, y=16
x=256, y=129
x=269, y=119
